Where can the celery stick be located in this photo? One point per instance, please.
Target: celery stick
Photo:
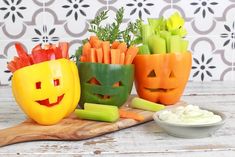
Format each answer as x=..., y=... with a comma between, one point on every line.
x=92, y=106
x=154, y=22
x=147, y=31
x=146, y=105
x=144, y=49
x=157, y=24
x=156, y=44
x=184, y=45
x=95, y=115
x=175, y=44
x=98, y=112
x=181, y=32
x=166, y=35
x=109, y=109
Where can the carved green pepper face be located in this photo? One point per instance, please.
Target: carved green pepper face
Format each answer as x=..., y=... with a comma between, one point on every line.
x=108, y=84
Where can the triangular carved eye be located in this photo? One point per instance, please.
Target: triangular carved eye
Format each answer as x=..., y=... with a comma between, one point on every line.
x=172, y=74
x=93, y=80
x=152, y=74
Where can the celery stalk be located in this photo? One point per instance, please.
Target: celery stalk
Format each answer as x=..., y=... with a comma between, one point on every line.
x=175, y=44
x=157, y=24
x=166, y=35
x=98, y=112
x=156, y=44
x=147, y=31
x=184, y=45
x=146, y=105
x=144, y=49
x=94, y=115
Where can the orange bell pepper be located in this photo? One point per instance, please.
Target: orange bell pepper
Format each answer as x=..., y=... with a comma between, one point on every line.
x=162, y=78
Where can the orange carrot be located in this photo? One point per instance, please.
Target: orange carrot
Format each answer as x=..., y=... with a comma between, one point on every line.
x=83, y=59
x=92, y=39
x=122, y=58
x=130, y=115
x=115, y=44
x=95, y=42
x=128, y=59
x=92, y=55
x=86, y=49
x=123, y=47
x=99, y=55
x=106, y=48
x=115, y=56
x=130, y=54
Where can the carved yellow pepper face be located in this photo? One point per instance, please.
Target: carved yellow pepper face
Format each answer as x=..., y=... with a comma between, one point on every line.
x=47, y=92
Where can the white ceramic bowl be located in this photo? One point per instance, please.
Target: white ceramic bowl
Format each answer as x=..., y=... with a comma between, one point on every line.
x=190, y=131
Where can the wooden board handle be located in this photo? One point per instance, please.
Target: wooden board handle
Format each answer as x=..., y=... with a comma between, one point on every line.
x=22, y=133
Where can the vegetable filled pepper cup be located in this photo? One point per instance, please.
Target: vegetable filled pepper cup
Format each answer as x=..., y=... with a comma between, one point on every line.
x=106, y=73
x=163, y=64
x=45, y=83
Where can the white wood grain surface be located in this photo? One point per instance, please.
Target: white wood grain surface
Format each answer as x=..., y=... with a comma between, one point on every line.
x=143, y=140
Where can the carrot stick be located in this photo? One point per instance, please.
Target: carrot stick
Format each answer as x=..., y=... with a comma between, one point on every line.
x=115, y=44
x=99, y=55
x=130, y=54
x=115, y=56
x=123, y=47
x=128, y=59
x=92, y=55
x=92, y=39
x=122, y=58
x=130, y=115
x=95, y=42
x=83, y=59
x=106, y=48
x=86, y=49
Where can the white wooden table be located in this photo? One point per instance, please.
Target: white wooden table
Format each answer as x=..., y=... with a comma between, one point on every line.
x=143, y=140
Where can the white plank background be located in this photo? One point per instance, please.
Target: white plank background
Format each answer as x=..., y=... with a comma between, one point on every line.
x=143, y=140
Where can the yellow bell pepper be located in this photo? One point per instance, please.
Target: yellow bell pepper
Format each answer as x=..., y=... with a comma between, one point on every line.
x=48, y=91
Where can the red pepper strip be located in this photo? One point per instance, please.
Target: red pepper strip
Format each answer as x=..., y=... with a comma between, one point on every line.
x=36, y=48
x=39, y=56
x=64, y=47
x=22, y=54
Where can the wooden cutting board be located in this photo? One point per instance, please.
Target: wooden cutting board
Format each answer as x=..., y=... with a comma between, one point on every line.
x=70, y=128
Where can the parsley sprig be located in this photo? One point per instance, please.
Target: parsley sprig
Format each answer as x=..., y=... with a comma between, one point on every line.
x=112, y=32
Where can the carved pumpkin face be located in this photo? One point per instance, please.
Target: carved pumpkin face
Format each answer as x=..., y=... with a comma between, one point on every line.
x=47, y=92
x=108, y=84
x=162, y=77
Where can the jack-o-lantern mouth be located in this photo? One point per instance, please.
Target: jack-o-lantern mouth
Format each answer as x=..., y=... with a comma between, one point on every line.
x=159, y=89
x=46, y=102
x=103, y=96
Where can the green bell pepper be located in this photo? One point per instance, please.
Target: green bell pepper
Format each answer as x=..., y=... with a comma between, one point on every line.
x=106, y=76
